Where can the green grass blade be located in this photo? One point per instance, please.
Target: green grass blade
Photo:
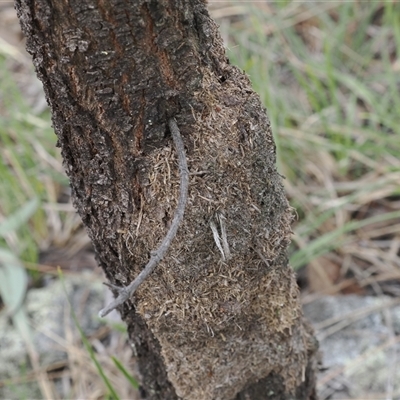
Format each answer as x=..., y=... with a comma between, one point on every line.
x=332, y=240
x=127, y=375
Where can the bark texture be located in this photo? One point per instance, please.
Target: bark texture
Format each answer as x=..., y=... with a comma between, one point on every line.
x=220, y=317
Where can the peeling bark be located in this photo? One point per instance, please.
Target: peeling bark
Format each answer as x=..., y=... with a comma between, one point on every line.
x=220, y=317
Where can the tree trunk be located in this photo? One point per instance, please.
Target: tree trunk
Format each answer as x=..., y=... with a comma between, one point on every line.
x=220, y=317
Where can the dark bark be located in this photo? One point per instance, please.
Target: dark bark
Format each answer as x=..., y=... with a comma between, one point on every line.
x=206, y=325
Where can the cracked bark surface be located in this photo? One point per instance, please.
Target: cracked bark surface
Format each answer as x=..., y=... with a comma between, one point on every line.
x=205, y=325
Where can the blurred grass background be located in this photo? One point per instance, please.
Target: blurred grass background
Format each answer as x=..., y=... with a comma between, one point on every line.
x=329, y=75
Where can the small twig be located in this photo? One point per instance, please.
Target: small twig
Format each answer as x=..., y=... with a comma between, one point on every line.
x=126, y=292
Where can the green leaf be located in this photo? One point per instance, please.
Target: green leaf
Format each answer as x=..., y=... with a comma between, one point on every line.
x=13, y=284
x=13, y=281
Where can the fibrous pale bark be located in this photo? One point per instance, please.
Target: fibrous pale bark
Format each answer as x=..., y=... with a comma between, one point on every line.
x=220, y=316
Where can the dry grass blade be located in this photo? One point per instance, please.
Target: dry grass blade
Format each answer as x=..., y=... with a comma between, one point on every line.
x=335, y=324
